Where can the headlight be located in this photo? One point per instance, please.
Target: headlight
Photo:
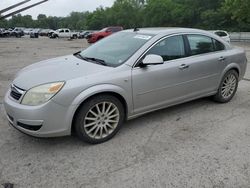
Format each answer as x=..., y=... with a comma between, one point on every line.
x=41, y=94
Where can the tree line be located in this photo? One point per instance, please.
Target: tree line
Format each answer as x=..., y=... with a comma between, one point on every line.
x=231, y=15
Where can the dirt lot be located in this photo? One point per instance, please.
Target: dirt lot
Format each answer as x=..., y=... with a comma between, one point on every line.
x=197, y=144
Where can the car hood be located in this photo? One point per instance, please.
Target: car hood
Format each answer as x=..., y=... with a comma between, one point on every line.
x=57, y=69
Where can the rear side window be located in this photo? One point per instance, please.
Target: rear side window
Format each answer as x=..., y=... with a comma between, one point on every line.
x=218, y=46
x=200, y=44
x=170, y=48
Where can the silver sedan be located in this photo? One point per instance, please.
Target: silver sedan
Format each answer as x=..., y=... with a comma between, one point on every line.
x=128, y=74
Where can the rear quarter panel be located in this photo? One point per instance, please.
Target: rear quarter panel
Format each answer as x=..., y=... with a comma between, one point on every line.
x=236, y=58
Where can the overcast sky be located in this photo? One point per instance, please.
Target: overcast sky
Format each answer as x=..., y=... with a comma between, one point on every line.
x=58, y=7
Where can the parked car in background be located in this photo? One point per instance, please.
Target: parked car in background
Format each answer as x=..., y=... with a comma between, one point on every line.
x=64, y=33
x=123, y=76
x=223, y=34
x=44, y=32
x=34, y=33
x=84, y=34
x=92, y=38
x=1, y=31
x=17, y=32
x=5, y=33
x=27, y=31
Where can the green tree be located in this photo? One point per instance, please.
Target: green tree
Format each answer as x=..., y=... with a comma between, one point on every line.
x=240, y=12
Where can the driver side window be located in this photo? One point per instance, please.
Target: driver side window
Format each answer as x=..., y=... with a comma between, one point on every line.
x=170, y=48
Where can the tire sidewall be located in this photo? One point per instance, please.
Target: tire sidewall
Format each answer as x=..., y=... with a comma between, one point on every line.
x=80, y=116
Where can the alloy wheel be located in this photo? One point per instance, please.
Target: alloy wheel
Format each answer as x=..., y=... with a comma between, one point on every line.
x=101, y=120
x=228, y=86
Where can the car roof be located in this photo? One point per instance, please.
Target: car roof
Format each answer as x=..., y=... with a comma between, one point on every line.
x=167, y=30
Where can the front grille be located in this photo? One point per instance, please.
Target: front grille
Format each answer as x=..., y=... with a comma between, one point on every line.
x=16, y=93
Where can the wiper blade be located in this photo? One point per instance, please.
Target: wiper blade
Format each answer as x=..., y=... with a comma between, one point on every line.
x=100, y=61
x=78, y=54
x=92, y=59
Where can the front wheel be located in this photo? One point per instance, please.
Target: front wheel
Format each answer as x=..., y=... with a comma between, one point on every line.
x=228, y=87
x=99, y=119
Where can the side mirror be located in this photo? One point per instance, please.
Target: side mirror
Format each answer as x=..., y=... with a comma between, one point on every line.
x=152, y=59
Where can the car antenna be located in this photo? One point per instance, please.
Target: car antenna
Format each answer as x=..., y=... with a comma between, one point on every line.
x=136, y=29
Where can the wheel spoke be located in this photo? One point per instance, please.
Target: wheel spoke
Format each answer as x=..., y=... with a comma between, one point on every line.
x=105, y=128
x=103, y=107
x=89, y=124
x=97, y=129
x=110, y=126
x=93, y=128
x=90, y=118
x=101, y=131
x=112, y=111
x=115, y=115
x=92, y=112
x=98, y=109
x=107, y=110
x=112, y=121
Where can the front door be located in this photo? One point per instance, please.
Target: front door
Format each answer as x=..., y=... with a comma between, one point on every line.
x=156, y=85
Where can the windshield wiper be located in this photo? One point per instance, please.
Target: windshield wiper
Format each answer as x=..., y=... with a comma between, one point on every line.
x=78, y=54
x=92, y=59
x=96, y=60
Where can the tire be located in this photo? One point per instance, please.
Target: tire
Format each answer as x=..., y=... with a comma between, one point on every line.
x=92, y=125
x=74, y=37
x=228, y=87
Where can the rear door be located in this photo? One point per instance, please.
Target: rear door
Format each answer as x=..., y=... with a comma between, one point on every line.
x=206, y=62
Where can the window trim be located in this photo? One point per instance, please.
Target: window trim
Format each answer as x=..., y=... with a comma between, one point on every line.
x=189, y=48
x=214, y=40
x=138, y=61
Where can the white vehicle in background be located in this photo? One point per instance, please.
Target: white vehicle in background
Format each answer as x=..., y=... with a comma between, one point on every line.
x=64, y=33
x=223, y=34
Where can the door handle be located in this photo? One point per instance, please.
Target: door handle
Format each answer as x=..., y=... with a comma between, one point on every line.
x=183, y=66
x=221, y=58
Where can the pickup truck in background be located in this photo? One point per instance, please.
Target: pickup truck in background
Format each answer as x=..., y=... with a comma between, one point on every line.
x=64, y=33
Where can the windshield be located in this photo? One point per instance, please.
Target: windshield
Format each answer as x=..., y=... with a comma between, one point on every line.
x=117, y=48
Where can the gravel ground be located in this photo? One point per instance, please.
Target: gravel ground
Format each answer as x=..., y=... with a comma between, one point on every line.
x=196, y=144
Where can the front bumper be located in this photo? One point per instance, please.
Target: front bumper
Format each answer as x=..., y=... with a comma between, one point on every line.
x=47, y=120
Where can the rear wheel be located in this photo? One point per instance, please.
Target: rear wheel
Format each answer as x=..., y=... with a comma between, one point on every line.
x=228, y=87
x=99, y=119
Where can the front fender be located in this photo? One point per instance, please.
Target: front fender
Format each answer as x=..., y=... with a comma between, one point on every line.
x=101, y=89
x=79, y=99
